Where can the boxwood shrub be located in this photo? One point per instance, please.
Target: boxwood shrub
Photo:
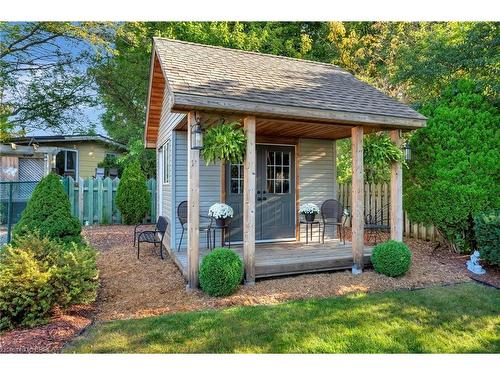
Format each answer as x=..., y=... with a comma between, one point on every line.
x=487, y=231
x=391, y=258
x=221, y=272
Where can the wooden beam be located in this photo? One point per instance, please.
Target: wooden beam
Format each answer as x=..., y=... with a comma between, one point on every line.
x=357, y=199
x=396, y=193
x=249, y=185
x=193, y=223
x=237, y=106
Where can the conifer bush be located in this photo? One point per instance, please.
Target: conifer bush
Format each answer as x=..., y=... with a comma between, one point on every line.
x=37, y=274
x=132, y=197
x=487, y=231
x=48, y=213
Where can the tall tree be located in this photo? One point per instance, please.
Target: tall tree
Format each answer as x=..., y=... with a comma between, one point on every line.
x=43, y=74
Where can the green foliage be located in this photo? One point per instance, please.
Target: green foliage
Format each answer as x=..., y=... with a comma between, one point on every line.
x=379, y=152
x=132, y=197
x=37, y=274
x=137, y=153
x=26, y=295
x=487, y=231
x=48, y=212
x=221, y=272
x=43, y=73
x=224, y=142
x=454, y=172
x=391, y=258
x=110, y=161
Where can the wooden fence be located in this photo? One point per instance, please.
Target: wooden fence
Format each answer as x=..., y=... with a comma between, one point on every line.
x=377, y=196
x=93, y=200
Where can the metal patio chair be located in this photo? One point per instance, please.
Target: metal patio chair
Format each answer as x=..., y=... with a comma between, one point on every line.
x=378, y=223
x=152, y=236
x=182, y=213
x=332, y=213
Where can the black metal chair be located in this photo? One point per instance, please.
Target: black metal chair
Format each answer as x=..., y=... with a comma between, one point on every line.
x=378, y=223
x=182, y=213
x=332, y=213
x=152, y=236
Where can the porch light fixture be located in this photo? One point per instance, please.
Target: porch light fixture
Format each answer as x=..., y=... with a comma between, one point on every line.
x=196, y=136
x=407, y=151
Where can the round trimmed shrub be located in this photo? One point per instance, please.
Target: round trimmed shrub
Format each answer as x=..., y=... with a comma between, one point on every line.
x=48, y=213
x=221, y=272
x=391, y=258
x=132, y=197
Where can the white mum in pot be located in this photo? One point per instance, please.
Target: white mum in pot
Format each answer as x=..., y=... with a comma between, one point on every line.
x=308, y=209
x=220, y=211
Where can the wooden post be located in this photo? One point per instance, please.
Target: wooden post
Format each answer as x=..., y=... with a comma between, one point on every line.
x=193, y=223
x=357, y=200
x=396, y=193
x=249, y=185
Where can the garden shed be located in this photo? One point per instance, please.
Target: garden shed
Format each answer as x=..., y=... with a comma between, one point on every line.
x=293, y=112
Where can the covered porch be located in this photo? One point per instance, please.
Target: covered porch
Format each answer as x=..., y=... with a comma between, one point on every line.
x=280, y=102
x=288, y=258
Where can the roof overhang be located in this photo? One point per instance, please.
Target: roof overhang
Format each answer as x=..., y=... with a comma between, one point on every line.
x=186, y=102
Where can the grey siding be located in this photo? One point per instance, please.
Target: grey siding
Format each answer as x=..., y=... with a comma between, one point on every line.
x=210, y=189
x=168, y=121
x=317, y=169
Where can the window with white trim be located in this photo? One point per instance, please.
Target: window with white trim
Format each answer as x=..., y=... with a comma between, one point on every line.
x=167, y=161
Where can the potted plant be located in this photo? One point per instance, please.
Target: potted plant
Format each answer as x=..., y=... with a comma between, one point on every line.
x=220, y=212
x=309, y=210
x=224, y=142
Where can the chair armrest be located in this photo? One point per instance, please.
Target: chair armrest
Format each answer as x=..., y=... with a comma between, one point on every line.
x=139, y=225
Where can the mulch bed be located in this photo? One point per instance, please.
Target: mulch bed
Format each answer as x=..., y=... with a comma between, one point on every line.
x=49, y=338
x=134, y=288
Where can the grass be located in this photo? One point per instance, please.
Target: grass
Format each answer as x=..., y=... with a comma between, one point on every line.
x=455, y=319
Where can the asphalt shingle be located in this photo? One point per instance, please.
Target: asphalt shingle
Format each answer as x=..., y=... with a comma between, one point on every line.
x=198, y=69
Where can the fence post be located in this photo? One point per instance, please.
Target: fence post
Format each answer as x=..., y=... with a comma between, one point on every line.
x=109, y=200
x=99, y=201
x=90, y=203
x=71, y=194
x=9, y=214
x=80, y=199
x=116, y=211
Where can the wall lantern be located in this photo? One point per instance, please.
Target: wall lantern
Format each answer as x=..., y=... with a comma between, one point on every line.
x=196, y=136
x=407, y=151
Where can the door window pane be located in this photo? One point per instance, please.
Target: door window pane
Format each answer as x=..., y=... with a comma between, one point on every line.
x=70, y=160
x=236, y=182
x=278, y=172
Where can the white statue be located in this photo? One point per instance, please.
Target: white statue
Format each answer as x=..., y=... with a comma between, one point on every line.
x=473, y=264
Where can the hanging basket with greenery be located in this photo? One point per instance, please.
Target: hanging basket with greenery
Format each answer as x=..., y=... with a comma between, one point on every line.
x=225, y=142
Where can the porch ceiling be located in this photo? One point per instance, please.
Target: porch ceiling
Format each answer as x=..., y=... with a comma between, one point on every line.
x=267, y=127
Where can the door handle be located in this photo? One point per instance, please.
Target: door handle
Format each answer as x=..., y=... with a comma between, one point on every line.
x=264, y=192
x=258, y=191
x=264, y=199
x=259, y=198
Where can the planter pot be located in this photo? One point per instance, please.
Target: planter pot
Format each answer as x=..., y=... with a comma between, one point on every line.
x=310, y=217
x=220, y=222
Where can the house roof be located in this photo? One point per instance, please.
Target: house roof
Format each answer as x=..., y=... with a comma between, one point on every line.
x=67, y=138
x=202, y=76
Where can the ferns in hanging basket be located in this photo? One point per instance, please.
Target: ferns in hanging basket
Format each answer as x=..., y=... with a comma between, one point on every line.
x=224, y=142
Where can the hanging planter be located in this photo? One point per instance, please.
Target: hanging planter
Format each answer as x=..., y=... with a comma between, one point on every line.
x=224, y=142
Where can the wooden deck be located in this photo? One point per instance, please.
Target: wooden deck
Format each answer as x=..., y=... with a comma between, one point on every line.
x=288, y=258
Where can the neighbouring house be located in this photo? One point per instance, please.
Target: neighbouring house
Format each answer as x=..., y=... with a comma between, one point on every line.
x=31, y=158
x=292, y=111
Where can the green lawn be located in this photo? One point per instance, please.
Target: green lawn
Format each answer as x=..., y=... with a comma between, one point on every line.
x=454, y=319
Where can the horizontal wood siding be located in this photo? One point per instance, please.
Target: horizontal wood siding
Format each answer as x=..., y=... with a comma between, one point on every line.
x=317, y=173
x=210, y=189
x=168, y=121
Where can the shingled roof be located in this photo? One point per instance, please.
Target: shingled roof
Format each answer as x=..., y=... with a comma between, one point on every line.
x=216, y=74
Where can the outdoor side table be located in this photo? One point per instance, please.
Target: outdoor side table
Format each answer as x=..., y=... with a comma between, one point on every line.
x=309, y=224
x=224, y=229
